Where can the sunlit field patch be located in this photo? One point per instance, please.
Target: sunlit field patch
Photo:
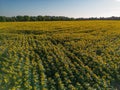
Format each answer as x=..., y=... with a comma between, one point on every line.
x=62, y=55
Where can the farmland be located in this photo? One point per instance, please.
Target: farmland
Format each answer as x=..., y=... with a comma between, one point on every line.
x=61, y=55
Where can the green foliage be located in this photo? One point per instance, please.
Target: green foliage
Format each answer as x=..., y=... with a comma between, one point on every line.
x=60, y=55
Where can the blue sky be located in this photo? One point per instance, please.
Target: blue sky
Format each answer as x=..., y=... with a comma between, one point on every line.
x=71, y=8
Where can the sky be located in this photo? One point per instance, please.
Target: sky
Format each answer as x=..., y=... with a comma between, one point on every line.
x=69, y=8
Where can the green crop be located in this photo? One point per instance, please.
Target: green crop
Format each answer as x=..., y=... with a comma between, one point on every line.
x=61, y=55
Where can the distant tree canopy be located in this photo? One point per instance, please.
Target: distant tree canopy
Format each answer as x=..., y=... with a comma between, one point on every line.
x=50, y=18
x=34, y=18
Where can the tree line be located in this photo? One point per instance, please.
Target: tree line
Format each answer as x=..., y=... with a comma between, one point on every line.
x=50, y=18
x=34, y=18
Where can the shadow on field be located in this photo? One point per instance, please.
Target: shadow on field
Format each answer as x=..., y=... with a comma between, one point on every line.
x=36, y=32
x=116, y=84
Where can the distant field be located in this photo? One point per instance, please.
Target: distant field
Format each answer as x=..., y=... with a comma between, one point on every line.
x=67, y=55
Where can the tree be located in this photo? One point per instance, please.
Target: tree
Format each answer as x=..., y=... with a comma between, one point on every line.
x=26, y=18
x=2, y=18
x=33, y=18
x=19, y=18
x=40, y=18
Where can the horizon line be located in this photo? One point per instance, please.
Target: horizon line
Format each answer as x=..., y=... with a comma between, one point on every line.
x=63, y=16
